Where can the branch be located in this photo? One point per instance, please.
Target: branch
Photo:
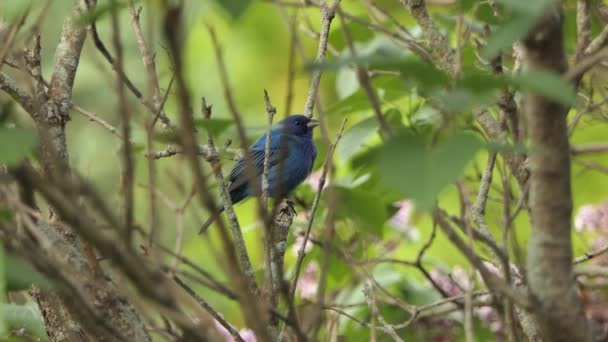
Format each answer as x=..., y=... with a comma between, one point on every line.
x=327, y=15
x=250, y=305
x=205, y=305
x=138, y=94
x=365, y=82
x=583, y=27
x=98, y=120
x=494, y=283
x=435, y=40
x=128, y=172
x=591, y=148
x=315, y=205
x=24, y=99
x=559, y=313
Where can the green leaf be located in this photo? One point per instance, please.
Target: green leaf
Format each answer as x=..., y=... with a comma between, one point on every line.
x=358, y=33
x=524, y=16
x=234, y=8
x=213, y=126
x=365, y=209
x=425, y=116
x=406, y=164
x=388, y=89
x=508, y=33
x=25, y=317
x=20, y=275
x=548, y=84
x=535, y=8
x=356, y=137
x=482, y=82
x=15, y=144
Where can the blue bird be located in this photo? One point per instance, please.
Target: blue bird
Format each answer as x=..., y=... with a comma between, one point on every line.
x=293, y=132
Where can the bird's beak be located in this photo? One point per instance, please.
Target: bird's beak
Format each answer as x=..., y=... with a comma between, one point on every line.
x=313, y=123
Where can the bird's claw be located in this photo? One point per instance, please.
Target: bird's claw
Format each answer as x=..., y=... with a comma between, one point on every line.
x=291, y=206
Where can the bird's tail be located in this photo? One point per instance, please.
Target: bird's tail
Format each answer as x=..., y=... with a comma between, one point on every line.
x=210, y=220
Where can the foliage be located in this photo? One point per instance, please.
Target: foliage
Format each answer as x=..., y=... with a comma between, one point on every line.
x=382, y=191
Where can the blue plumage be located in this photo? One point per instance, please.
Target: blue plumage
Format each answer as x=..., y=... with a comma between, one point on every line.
x=295, y=133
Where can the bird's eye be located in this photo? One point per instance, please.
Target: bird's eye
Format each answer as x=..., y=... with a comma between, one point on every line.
x=298, y=123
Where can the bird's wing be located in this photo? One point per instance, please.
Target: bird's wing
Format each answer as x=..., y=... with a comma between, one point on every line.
x=239, y=173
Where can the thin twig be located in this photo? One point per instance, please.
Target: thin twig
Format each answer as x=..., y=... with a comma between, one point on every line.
x=368, y=291
x=98, y=120
x=151, y=107
x=327, y=15
x=239, y=241
x=123, y=108
x=315, y=205
x=364, y=81
x=251, y=308
x=236, y=116
x=205, y=305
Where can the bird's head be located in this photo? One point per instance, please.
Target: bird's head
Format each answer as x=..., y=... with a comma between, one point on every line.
x=299, y=125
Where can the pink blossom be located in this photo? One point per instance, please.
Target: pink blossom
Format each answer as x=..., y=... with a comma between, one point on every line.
x=600, y=242
x=489, y=316
x=314, y=179
x=309, y=282
x=495, y=270
x=452, y=284
x=401, y=219
x=592, y=217
x=248, y=335
x=297, y=245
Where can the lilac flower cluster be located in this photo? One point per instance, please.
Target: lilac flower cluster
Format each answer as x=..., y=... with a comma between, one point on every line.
x=592, y=218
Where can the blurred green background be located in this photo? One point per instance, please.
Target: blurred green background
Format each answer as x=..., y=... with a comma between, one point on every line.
x=256, y=46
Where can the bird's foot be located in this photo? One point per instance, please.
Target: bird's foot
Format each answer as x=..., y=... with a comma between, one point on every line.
x=291, y=204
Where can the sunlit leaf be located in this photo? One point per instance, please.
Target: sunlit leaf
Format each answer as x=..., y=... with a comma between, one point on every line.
x=356, y=137
x=15, y=144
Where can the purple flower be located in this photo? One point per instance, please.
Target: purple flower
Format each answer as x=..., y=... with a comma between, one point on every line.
x=452, y=284
x=489, y=317
x=309, y=282
x=314, y=179
x=592, y=217
x=248, y=335
x=401, y=219
x=295, y=248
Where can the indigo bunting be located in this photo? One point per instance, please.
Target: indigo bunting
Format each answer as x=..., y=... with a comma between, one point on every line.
x=293, y=133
